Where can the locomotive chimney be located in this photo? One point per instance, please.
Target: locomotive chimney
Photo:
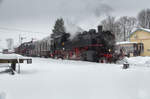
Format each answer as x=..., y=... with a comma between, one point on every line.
x=100, y=27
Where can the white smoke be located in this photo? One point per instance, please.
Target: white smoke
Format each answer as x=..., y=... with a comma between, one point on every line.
x=102, y=9
x=72, y=28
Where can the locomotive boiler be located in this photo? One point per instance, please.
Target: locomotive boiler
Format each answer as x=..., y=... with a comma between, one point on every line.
x=92, y=45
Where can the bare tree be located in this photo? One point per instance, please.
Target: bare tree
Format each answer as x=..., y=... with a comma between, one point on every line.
x=121, y=28
x=112, y=25
x=109, y=23
x=144, y=18
x=126, y=25
x=117, y=32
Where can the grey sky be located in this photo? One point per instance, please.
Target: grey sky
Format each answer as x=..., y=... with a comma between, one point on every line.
x=26, y=13
x=40, y=15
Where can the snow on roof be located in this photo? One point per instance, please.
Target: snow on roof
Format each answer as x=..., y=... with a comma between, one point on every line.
x=143, y=29
x=11, y=56
x=125, y=42
x=139, y=29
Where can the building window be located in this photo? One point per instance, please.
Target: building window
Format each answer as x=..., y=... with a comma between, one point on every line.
x=148, y=50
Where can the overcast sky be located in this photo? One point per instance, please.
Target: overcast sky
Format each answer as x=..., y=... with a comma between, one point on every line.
x=40, y=15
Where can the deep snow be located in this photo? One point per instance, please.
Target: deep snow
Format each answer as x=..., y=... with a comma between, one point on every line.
x=64, y=79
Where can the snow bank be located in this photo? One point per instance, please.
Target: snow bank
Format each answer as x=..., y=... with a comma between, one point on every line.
x=139, y=60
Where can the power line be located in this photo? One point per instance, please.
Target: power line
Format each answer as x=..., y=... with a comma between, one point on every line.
x=28, y=34
x=20, y=30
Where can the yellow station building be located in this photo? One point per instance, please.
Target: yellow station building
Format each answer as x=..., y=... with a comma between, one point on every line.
x=142, y=35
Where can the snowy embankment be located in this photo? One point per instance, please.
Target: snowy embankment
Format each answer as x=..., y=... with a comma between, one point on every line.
x=139, y=60
x=63, y=79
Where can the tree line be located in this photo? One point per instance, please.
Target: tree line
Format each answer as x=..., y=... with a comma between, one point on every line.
x=122, y=27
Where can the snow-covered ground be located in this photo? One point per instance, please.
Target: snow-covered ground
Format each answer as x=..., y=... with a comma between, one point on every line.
x=64, y=79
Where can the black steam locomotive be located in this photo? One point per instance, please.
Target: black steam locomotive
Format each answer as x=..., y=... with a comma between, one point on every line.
x=87, y=46
x=92, y=45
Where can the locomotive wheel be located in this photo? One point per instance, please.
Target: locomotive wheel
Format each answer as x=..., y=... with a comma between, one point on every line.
x=83, y=59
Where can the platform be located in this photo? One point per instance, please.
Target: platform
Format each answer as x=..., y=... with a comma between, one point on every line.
x=13, y=59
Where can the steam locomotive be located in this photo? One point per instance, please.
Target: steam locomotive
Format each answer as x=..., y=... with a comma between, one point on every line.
x=92, y=45
x=87, y=46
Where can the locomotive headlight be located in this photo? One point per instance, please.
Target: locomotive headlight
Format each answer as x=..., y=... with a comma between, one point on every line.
x=63, y=43
x=109, y=50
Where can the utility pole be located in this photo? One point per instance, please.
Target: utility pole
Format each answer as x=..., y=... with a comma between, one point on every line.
x=124, y=32
x=145, y=18
x=21, y=39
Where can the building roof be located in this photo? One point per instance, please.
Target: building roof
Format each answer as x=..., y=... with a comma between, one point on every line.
x=139, y=29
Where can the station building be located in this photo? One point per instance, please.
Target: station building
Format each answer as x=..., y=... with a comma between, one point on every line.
x=142, y=35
